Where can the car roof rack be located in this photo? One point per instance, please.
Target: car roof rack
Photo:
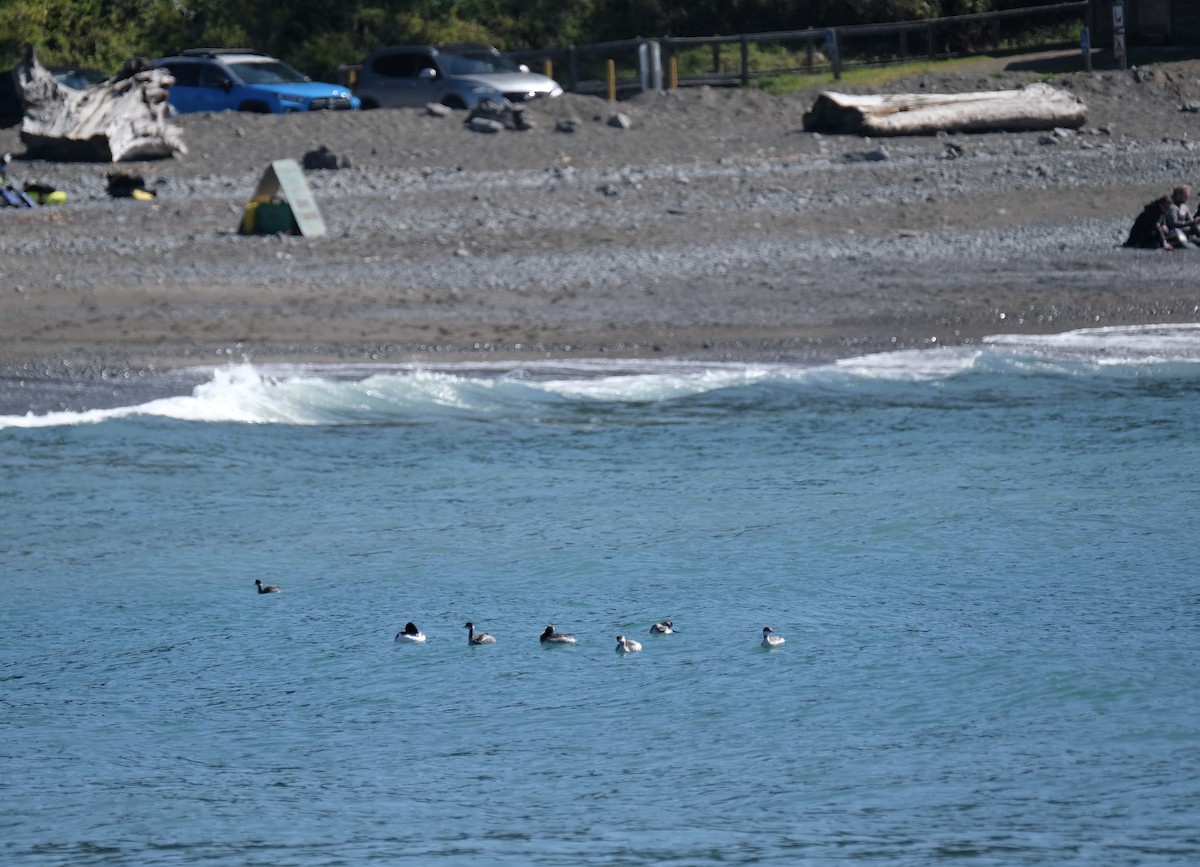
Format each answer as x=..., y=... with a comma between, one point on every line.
x=213, y=52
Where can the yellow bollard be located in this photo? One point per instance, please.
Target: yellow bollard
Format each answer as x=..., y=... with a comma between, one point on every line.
x=673, y=74
x=612, y=81
x=548, y=68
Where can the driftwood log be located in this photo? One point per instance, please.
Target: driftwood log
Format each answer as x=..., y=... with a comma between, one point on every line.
x=1038, y=106
x=124, y=118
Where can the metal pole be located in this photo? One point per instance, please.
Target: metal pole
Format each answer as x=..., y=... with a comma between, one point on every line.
x=1118, y=20
x=831, y=48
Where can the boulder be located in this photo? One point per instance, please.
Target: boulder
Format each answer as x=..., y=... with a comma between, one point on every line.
x=493, y=116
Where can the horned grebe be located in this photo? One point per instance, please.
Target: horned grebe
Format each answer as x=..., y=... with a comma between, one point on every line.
x=474, y=637
x=627, y=645
x=549, y=636
x=770, y=639
x=662, y=628
x=265, y=588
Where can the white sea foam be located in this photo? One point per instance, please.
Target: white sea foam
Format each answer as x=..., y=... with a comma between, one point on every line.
x=358, y=394
x=1114, y=345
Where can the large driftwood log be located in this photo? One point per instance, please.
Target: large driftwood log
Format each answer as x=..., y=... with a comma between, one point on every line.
x=122, y=119
x=1038, y=106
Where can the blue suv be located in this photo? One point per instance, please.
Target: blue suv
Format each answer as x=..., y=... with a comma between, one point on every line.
x=239, y=79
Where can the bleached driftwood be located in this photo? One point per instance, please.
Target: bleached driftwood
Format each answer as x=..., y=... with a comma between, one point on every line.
x=124, y=118
x=1038, y=106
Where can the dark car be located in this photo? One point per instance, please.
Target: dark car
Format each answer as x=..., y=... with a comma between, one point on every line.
x=240, y=79
x=459, y=76
x=78, y=77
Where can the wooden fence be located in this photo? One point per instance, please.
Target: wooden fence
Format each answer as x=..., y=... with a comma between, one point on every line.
x=648, y=63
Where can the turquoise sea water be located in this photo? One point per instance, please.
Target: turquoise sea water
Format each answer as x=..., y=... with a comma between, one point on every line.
x=983, y=561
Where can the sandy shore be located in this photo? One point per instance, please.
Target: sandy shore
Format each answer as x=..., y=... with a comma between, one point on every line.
x=714, y=227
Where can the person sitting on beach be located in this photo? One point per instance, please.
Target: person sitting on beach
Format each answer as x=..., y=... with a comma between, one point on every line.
x=1181, y=225
x=1149, y=230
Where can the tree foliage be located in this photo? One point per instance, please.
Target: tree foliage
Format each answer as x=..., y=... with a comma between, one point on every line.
x=319, y=35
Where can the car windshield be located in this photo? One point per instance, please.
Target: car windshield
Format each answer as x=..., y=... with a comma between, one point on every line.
x=476, y=61
x=80, y=79
x=268, y=72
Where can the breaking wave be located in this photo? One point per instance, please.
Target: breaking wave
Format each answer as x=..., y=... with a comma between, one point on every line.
x=360, y=395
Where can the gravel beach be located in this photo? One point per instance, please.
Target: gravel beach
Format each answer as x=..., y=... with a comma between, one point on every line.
x=714, y=227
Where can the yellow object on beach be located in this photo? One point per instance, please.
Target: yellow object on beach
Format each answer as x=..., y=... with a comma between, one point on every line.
x=45, y=195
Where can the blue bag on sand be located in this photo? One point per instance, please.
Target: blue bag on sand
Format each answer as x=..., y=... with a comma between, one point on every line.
x=13, y=197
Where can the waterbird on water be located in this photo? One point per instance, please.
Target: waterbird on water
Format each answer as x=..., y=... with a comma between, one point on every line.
x=474, y=637
x=549, y=636
x=770, y=639
x=265, y=588
x=664, y=627
x=627, y=645
x=410, y=634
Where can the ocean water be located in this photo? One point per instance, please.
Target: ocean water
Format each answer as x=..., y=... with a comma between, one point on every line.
x=983, y=561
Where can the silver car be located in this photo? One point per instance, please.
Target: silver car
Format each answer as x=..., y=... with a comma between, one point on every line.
x=458, y=76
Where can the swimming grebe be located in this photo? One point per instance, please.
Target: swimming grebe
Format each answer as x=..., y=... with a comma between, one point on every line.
x=411, y=634
x=549, y=636
x=627, y=645
x=769, y=639
x=477, y=638
x=663, y=628
x=265, y=588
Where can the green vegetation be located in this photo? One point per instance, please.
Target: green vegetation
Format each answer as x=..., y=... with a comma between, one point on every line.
x=317, y=36
x=861, y=76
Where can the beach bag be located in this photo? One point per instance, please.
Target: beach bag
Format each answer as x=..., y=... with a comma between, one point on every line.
x=11, y=197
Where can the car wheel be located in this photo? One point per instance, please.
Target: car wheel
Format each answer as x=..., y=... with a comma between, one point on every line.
x=369, y=104
x=454, y=102
x=254, y=107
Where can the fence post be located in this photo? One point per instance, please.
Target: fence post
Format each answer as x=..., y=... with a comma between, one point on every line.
x=668, y=58
x=612, y=80
x=716, y=53
x=650, y=66
x=809, y=50
x=1118, y=20
x=745, y=60
x=932, y=37
x=548, y=68
x=831, y=48
x=1085, y=45
x=904, y=45
x=573, y=66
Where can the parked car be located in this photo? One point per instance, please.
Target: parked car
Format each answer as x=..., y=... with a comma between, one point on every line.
x=240, y=79
x=458, y=76
x=79, y=77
